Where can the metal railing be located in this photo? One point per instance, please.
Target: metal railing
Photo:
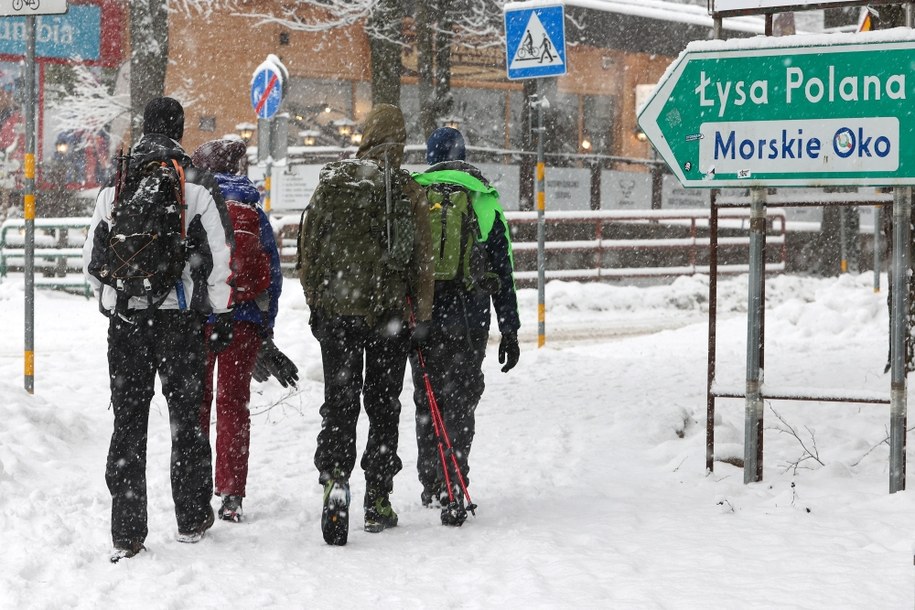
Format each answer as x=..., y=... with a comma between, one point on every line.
x=58, y=251
x=598, y=222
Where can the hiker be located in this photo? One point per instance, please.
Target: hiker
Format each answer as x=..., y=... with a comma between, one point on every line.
x=473, y=267
x=158, y=253
x=363, y=248
x=258, y=284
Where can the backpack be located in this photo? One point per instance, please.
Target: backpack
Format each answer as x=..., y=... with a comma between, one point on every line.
x=250, y=262
x=458, y=254
x=146, y=248
x=355, y=247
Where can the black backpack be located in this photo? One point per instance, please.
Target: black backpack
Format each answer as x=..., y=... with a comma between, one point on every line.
x=146, y=247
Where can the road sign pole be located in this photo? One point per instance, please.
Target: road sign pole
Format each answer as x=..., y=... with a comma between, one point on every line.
x=541, y=223
x=752, y=451
x=28, y=205
x=902, y=209
x=877, y=225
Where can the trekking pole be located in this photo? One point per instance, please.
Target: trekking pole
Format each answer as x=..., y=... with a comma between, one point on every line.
x=438, y=426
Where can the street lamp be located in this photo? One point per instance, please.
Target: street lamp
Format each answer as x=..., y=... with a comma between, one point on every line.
x=309, y=136
x=61, y=148
x=246, y=131
x=356, y=138
x=344, y=126
x=585, y=144
x=640, y=135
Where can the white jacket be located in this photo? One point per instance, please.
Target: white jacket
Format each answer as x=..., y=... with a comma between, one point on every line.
x=206, y=220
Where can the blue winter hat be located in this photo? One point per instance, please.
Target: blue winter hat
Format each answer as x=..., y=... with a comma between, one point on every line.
x=445, y=144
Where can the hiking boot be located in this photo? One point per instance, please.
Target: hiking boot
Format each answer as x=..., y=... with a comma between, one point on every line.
x=335, y=514
x=126, y=551
x=196, y=535
x=430, y=496
x=453, y=511
x=378, y=512
x=231, y=509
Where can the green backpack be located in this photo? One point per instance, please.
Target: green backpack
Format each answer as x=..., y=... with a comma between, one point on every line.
x=456, y=248
x=356, y=247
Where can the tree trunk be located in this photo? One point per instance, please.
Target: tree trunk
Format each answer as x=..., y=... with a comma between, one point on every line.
x=385, y=35
x=149, y=57
x=425, y=57
x=433, y=46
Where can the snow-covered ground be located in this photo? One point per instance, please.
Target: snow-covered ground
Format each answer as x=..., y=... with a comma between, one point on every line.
x=588, y=468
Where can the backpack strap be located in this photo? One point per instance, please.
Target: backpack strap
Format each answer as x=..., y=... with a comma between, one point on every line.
x=179, y=195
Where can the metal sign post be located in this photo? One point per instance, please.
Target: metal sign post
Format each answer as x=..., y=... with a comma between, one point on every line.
x=29, y=9
x=28, y=205
x=535, y=48
x=268, y=88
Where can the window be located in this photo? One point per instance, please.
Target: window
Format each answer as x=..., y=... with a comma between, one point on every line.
x=207, y=123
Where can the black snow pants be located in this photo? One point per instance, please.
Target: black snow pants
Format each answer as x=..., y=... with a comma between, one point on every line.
x=348, y=345
x=454, y=362
x=170, y=343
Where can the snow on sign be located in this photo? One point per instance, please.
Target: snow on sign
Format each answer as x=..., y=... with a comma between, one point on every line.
x=535, y=40
x=24, y=8
x=788, y=112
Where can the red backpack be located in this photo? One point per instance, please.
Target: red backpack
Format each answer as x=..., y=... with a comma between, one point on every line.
x=251, y=264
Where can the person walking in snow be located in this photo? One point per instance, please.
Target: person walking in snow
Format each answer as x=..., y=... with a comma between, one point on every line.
x=258, y=284
x=363, y=248
x=464, y=289
x=159, y=205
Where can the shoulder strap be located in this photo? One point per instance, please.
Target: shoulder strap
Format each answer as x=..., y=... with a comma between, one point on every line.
x=179, y=195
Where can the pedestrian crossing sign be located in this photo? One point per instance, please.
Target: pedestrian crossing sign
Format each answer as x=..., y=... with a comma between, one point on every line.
x=535, y=41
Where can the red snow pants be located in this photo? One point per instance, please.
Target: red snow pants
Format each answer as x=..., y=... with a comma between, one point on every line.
x=233, y=392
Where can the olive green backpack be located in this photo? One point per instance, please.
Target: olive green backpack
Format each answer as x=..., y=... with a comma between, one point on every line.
x=356, y=246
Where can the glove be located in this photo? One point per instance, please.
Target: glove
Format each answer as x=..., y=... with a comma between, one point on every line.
x=276, y=363
x=260, y=373
x=221, y=334
x=420, y=334
x=509, y=352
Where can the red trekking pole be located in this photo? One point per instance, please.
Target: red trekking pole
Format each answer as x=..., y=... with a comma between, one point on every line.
x=441, y=434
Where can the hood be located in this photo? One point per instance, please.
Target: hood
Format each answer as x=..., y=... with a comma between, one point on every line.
x=460, y=166
x=384, y=135
x=452, y=176
x=222, y=156
x=158, y=147
x=237, y=188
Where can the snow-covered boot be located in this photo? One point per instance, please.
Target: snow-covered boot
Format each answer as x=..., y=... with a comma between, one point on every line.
x=126, y=551
x=335, y=515
x=196, y=534
x=453, y=511
x=231, y=509
x=379, y=515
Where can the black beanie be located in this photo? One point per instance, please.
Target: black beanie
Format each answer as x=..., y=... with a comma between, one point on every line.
x=164, y=115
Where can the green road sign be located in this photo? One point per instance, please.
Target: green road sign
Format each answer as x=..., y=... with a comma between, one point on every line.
x=777, y=112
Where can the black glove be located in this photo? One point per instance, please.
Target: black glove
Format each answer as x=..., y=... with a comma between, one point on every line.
x=420, y=334
x=276, y=363
x=509, y=352
x=260, y=373
x=221, y=335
